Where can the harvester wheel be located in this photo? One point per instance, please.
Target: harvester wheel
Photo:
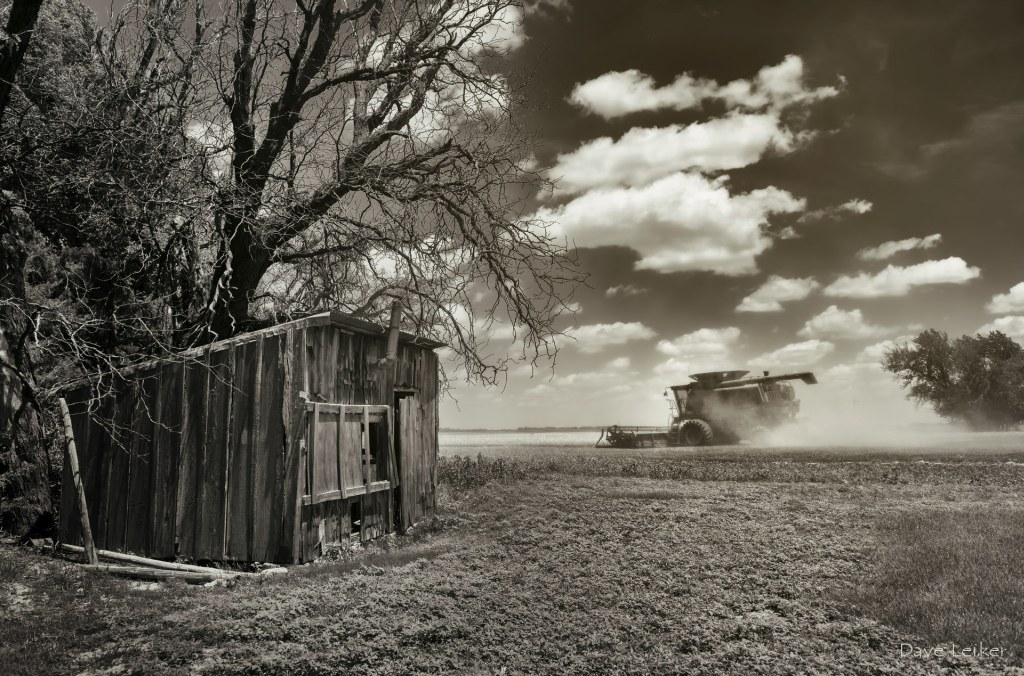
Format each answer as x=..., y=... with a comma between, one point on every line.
x=696, y=433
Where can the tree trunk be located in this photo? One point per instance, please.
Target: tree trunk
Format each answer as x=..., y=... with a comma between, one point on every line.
x=24, y=484
x=20, y=24
x=238, y=280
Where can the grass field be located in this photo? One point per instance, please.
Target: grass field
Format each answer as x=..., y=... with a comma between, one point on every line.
x=719, y=561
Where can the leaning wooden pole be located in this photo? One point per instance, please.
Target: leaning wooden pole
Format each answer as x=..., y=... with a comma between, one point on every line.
x=83, y=510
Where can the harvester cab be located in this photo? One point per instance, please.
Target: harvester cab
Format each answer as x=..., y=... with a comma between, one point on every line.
x=721, y=407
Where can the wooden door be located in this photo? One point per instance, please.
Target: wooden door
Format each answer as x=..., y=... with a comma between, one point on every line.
x=410, y=454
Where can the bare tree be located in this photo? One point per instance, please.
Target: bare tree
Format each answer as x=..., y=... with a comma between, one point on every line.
x=367, y=154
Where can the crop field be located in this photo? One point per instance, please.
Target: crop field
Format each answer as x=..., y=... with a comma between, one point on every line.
x=560, y=558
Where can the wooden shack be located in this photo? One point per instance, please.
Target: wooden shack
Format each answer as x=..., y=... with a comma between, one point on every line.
x=269, y=446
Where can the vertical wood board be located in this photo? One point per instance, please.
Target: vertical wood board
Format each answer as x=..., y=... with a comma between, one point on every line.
x=214, y=460
x=140, y=467
x=245, y=397
x=166, y=447
x=269, y=452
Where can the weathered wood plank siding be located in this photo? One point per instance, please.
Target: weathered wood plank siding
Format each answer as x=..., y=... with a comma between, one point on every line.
x=117, y=465
x=211, y=455
x=269, y=447
x=193, y=447
x=166, y=458
x=140, y=464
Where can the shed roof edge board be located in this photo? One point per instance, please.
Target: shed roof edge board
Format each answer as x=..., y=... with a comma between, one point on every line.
x=333, y=318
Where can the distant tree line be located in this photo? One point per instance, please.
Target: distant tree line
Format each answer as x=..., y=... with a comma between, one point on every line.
x=977, y=380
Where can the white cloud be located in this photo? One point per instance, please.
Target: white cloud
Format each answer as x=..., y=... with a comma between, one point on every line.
x=624, y=290
x=890, y=249
x=645, y=154
x=678, y=223
x=620, y=93
x=840, y=324
x=795, y=355
x=854, y=206
x=699, y=343
x=504, y=32
x=1013, y=326
x=674, y=371
x=1011, y=301
x=600, y=385
x=898, y=280
x=775, y=291
x=619, y=363
x=595, y=337
x=546, y=6
x=857, y=206
x=872, y=354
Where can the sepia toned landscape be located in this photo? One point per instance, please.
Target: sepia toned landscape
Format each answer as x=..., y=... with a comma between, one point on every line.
x=386, y=337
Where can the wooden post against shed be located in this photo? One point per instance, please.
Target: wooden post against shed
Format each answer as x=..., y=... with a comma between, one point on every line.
x=76, y=476
x=393, y=328
x=366, y=448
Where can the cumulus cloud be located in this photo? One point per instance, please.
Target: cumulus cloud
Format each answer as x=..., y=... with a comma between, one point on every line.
x=775, y=291
x=890, y=249
x=1011, y=301
x=623, y=92
x=840, y=324
x=620, y=93
x=1013, y=326
x=644, y=154
x=624, y=290
x=701, y=343
x=897, y=280
x=872, y=354
x=854, y=206
x=795, y=355
x=678, y=223
x=593, y=338
x=619, y=363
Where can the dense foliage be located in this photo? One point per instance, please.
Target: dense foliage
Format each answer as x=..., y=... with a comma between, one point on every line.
x=977, y=380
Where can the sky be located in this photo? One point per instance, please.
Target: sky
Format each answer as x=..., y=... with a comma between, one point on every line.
x=779, y=186
x=767, y=186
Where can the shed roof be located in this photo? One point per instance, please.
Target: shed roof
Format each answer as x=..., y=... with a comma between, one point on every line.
x=333, y=317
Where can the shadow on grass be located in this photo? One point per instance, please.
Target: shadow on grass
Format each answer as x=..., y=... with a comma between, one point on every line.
x=950, y=576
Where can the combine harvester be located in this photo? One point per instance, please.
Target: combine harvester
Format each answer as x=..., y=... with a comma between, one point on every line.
x=719, y=407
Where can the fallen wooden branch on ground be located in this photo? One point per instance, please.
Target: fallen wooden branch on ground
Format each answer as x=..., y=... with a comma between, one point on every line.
x=168, y=565
x=143, y=573
x=153, y=563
